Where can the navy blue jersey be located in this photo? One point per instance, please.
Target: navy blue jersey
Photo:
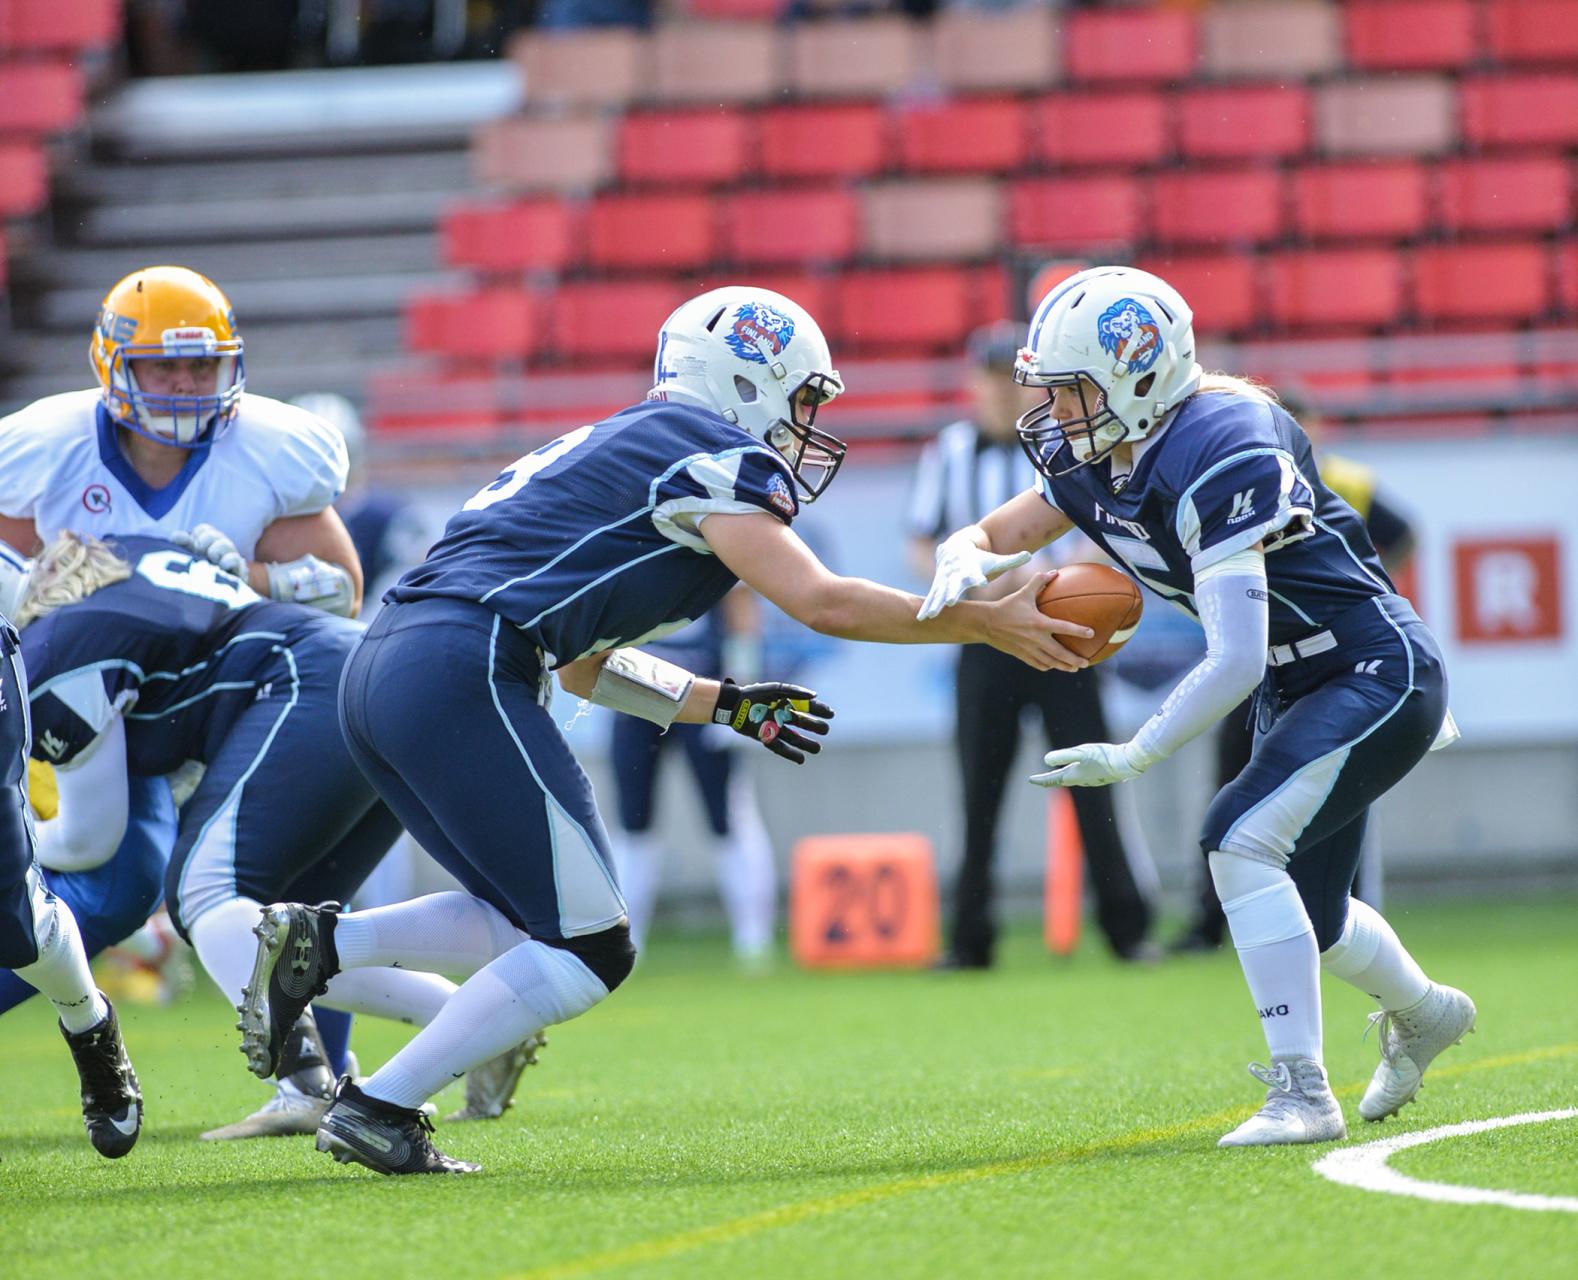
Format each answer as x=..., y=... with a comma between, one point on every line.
x=592, y=542
x=180, y=647
x=1229, y=471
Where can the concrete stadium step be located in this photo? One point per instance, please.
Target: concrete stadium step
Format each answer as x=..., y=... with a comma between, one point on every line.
x=189, y=221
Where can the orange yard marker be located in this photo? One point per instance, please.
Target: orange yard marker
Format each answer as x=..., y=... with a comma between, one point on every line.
x=863, y=901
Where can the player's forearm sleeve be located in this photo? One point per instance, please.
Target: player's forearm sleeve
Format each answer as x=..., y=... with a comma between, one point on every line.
x=93, y=806
x=1235, y=612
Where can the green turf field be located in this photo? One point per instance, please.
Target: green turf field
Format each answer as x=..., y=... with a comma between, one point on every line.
x=1046, y=1119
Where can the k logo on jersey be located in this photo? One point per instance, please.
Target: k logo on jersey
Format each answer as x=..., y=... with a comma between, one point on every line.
x=755, y=326
x=1128, y=332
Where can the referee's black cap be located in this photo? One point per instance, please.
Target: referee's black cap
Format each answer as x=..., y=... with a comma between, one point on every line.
x=995, y=346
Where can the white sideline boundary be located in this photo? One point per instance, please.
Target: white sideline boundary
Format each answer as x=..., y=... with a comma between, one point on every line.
x=1366, y=1167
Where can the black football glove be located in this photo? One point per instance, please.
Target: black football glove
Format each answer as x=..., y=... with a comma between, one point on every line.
x=773, y=714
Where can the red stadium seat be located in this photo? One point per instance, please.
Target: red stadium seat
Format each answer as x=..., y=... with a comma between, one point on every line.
x=1264, y=38
x=1521, y=109
x=763, y=10
x=1526, y=193
x=1252, y=123
x=39, y=97
x=932, y=308
x=1119, y=128
x=487, y=324
x=688, y=147
x=970, y=136
x=528, y=154
x=1506, y=282
x=710, y=63
x=976, y=50
x=601, y=66
x=790, y=226
x=1069, y=214
x=605, y=320
x=1217, y=207
x=1220, y=289
x=666, y=232
x=932, y=219
x=854, y=57
x=1335, y=288
x=823, y=142
x=1567, y=277
x=815, y=293
x=1533, y=31
x=58, y=25
x=1400, y=35
x=528, y=236
x=24, y=179
x=1354, y=201
x=1385, y=115
x=1148, y=45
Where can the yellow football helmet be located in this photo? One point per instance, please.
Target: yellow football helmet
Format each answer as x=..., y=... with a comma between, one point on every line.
x=165, y=313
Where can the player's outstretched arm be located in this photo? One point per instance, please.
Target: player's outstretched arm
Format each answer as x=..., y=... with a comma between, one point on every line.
x=771, y=558
x=1004, y=540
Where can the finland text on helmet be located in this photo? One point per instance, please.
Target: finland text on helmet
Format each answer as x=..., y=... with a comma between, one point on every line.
x=168, y=357
x=1123, y=340
x=760, y=361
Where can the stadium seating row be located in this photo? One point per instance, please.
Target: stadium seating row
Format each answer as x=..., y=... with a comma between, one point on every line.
x=1036, y=46
x=57, y=26
x=1119, y=129
x=967, y=218
x=39, y=97
x=934, y=308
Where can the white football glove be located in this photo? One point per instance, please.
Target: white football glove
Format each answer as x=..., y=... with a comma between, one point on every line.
x=208, y=543
x=1095, y=764
x=962, y=565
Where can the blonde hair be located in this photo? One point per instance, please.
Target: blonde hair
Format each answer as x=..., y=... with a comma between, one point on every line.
x=1232, y=384
x=69, y=569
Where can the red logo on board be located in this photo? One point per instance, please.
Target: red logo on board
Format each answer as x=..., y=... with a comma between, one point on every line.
x=1508, y=589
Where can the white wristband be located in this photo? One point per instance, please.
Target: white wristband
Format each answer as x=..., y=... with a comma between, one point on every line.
x=315, y=583
x=640, y=684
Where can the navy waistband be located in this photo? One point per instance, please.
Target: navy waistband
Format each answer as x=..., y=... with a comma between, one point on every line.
x=515, y=648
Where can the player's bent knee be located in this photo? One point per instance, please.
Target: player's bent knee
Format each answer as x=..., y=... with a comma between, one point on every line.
x=610, y=954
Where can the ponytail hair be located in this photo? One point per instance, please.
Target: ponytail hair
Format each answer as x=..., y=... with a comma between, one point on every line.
x=69, y=569
x=1231, y=384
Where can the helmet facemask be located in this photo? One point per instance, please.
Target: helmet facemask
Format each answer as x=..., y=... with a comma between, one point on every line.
x=185, y=421
x=1092, y=434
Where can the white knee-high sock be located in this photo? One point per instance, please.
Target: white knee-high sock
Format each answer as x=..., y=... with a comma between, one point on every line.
x=526, y=989
x=747, y=879
x=1370, y=956
x=401, y=994
x=61, y=971
x=1276, y=947
x=638, y=861
x=441, y=933
x=225, y=944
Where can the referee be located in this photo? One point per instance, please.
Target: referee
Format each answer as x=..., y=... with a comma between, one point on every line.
x=972, y=467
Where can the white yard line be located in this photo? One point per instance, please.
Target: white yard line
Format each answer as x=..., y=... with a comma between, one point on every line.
x=1366, y=1167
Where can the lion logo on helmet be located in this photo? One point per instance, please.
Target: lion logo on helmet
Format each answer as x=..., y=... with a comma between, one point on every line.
x=755, y=326
x=1128, y=332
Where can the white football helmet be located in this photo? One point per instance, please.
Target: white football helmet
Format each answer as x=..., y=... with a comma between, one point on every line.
x=1128, y=332
x=760, y=361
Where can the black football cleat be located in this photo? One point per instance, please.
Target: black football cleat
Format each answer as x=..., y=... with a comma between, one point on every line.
x=295, y=961
x=111, y=1097
x=358, y=1129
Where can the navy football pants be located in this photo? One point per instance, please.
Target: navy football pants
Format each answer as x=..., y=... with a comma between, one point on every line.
x=635, y=748
x=442, y=708
x=1338, y=730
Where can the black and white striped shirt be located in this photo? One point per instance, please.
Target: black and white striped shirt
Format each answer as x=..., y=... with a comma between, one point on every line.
x=962, y=476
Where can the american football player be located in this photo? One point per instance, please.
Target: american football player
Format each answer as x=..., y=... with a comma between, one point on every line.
x=147, y=656
x=170, y=442
x=618, y=532
x=1206, y=490
x=39, y=939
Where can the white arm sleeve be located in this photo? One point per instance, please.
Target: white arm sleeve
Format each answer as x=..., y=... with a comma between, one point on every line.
x=93, y=806
x=1235, y=612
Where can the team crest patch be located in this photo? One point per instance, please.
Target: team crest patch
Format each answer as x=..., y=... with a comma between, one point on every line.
x=755, y=323
x=778, y=494
x=1129, y=332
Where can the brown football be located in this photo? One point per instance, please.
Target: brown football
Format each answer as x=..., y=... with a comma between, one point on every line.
x=1096, y=596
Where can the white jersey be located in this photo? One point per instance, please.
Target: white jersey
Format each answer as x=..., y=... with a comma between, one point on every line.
x=62, y=467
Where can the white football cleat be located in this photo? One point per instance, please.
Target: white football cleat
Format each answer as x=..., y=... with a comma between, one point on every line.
x=290, y=1111
x=1300, y=1107
x=1411, y=1039
x=490, y=1087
